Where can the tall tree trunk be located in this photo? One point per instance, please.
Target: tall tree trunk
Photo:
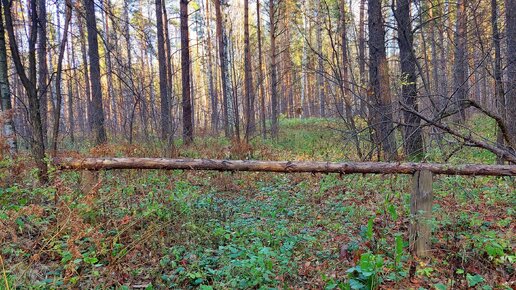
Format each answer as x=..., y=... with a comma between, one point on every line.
x=412, y=137
x=170, y=77
x=59, y=97
x=43, y=83
x=380, y=84
x=214, y=98
x=29, y=84
x=185, y=74
x=460, y=62
x=261, y=78
x=274, y=79
x=249, y=93
x=320, y=63
x=499, y=92
x=510, y=14
x=229, y=115
x=162, y=60
x=71, y=119
x=112, y=112
x=87, y=82
x=5, y=93
x=362, y=59
x=96, y=89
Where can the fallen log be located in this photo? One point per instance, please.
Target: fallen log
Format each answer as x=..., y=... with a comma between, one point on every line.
x=281, y=166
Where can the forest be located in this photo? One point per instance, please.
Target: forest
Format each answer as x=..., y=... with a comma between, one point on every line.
x=257, y=144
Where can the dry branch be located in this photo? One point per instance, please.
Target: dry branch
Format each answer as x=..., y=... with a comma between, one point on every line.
x=281, y=166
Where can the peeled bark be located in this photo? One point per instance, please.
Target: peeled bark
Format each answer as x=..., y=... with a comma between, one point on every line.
x=281, y=166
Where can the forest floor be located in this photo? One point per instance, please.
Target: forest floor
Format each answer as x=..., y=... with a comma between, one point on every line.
x=219, y=230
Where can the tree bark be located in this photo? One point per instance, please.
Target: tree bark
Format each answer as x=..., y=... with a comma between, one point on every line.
x=460, y=62
x=185, y=73
x=510, y=14
x=59, y=97
x=497, y=73
x=229, y=115
x=249, y=92
x=96, y=88
x=281, y=166
x=43, y=83
x=29, y=84
x=412, y=137
x=379, y=81
x=5, y=94
x=162, y=61
x=261, y=78
x=274, y=78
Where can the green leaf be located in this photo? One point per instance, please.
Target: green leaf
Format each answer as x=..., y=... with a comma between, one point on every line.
x=354, y=284
x=474, y=280
x=440, y=286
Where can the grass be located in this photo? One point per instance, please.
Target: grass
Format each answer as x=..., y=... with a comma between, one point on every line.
x=212, y=230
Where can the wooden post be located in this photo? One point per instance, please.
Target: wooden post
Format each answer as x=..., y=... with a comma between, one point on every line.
x=421, y=198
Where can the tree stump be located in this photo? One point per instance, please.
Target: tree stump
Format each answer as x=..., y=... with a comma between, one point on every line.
x=421, y=198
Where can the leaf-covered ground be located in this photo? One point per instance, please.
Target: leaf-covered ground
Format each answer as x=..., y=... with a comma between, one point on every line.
x=220, y=230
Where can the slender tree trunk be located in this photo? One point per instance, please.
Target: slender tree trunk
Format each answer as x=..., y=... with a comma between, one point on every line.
x=362, y=59
x=170, y=77
x=29, y=83
x=214, y=98
x=249, y=93
x=412, y=137
x=71, y=119
x=185, y=72
x=320, y=63
x=380, y=84
x=499, y=92
x=112, y=112
x=162, y=60
x=274, y=78
x=229, y=116
x=43, y=83
x=5, y=93
x=261, y=78
x=93, y=53
x=510, y=14
x=87, y=82
x=59, y=97
x=460, y=62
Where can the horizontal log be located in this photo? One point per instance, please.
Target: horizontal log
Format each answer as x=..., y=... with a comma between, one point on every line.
x=281, y=166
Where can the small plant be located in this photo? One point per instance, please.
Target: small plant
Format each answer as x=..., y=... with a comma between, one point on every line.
x=366, y=275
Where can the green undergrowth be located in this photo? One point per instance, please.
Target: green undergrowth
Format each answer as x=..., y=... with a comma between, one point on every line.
x=219, y=230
